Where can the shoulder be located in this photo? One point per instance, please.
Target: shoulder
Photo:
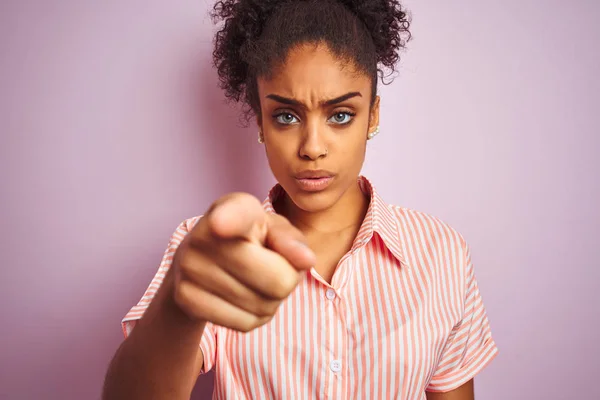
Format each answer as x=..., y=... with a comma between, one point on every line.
x=413, y=222
x=429, y=238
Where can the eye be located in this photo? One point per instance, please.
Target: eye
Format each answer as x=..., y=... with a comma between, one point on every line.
x=342, y=118
x=286, y=119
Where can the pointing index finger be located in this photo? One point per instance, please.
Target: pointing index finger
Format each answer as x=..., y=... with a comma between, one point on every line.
x=239, y=215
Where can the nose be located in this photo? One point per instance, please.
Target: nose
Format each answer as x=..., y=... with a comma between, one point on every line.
x=313, y=146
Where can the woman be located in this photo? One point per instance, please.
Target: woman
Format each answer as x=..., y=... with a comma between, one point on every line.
x=323, y=291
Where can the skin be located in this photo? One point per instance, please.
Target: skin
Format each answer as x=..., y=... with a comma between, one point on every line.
x=464, y=392
x=233, y=269
x=309, y=135
x=238, y=263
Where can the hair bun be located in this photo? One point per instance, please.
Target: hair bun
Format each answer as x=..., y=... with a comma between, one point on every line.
x=388, y=23
x=257, y=34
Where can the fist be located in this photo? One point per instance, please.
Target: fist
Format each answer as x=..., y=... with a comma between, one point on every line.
x=238, y=263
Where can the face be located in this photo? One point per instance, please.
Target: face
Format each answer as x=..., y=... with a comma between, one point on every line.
x=315, y=115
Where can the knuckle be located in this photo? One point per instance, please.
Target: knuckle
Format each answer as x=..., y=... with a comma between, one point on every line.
x=201, y=238
x=247, y=325
x=266, y=309
x=186, y=262
x=251, y=323
x=264, y=320
x=182, y=295
x=278, y=292
x=282, y=289
x=187, y=296
x=193, y=262
x=289, y=282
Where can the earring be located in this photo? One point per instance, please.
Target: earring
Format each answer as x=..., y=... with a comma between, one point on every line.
x=371, y=135
x=261, y=139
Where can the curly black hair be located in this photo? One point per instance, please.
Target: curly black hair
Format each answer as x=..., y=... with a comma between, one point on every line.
x=257, y=35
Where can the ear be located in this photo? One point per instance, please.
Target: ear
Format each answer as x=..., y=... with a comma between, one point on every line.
x=259, y=122
x=374, y=116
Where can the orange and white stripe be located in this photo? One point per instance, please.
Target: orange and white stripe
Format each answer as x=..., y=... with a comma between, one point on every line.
x=402, y=315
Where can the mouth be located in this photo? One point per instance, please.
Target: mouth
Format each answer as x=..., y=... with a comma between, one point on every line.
x=314, y=181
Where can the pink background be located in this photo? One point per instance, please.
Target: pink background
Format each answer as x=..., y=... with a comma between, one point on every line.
x=113, y=131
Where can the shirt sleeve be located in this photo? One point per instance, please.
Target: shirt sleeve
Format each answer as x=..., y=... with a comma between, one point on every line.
x=470, y=346
x=208, y=341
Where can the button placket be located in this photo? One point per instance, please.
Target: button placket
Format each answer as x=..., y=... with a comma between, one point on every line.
x=330, y=294
x=336, y=341
x=336, y=366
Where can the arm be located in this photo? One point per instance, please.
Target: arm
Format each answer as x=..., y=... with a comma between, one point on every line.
x=161, y=359
x=469, y=346
x=464, y=392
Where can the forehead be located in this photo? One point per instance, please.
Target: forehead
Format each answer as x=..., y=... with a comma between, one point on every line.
x=313, y=71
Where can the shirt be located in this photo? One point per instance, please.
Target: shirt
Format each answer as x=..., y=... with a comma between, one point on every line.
x=402, y=315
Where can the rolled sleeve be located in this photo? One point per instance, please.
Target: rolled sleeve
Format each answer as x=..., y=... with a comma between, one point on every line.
x=208, y=340
x=208, y=346
x=470, y=346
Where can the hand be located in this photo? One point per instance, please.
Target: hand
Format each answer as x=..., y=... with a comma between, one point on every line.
x=238, y=263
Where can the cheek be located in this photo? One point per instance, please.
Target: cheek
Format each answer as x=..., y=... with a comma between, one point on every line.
x=278, y=155
x=352, y=153
x=355, y=142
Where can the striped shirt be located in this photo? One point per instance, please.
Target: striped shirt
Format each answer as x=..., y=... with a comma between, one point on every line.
x=402, y=315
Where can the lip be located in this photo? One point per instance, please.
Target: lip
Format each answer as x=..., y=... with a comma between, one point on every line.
x=314, y=174
x=314, y=180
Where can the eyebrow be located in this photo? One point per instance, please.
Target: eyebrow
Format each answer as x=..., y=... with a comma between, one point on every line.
x=294, y=102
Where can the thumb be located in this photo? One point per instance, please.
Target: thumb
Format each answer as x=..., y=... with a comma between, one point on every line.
x=285, y=239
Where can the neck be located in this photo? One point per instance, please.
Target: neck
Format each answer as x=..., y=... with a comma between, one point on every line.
x=347, y=213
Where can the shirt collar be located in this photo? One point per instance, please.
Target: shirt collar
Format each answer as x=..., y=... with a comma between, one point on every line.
x=379, y=218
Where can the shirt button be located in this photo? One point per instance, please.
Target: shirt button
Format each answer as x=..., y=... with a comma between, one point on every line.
x=330, y=294
x=336, y=366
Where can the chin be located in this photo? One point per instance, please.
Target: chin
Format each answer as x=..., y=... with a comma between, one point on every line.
x=313, y=202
